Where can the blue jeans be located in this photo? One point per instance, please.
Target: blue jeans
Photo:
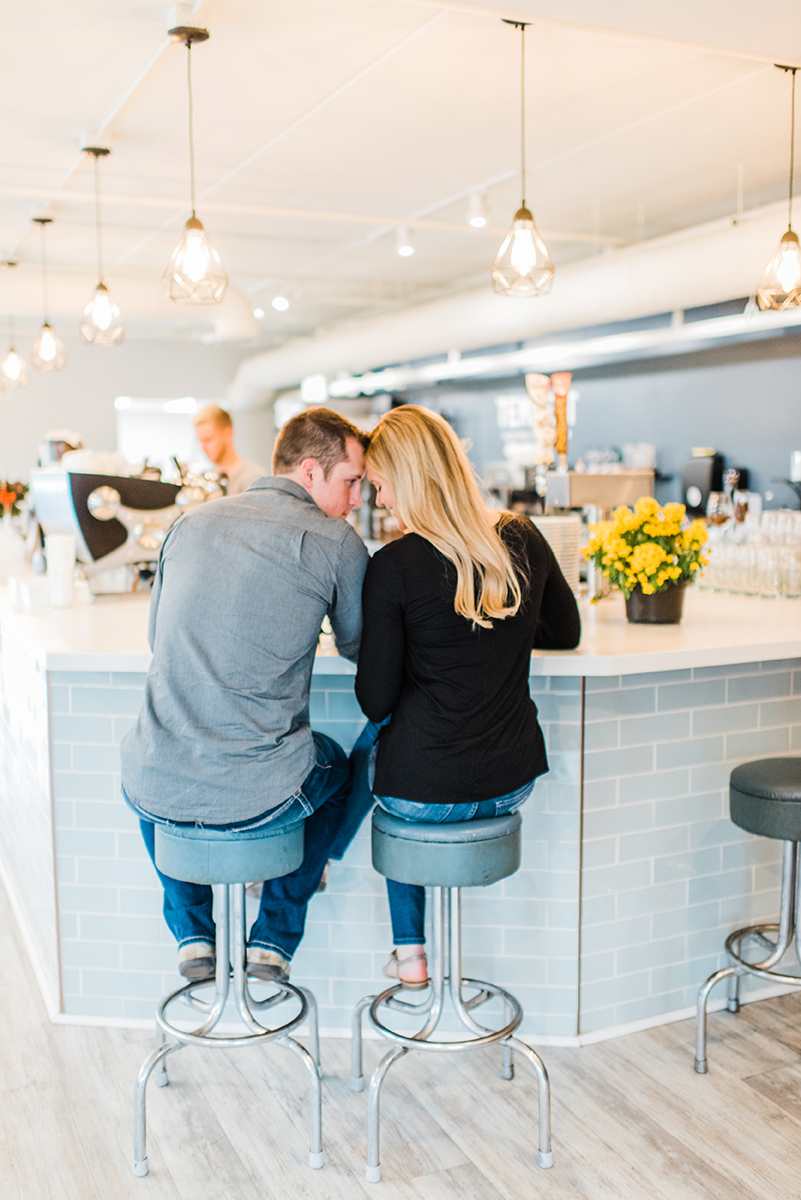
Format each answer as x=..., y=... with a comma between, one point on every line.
x=407, y=901
x=334, y=798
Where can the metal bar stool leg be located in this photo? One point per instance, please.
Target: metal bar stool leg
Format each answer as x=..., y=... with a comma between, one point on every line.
x=373, y=1172
x=315, y=1101
x=356, y=1069
x=140, y=1104
x=545, y=1154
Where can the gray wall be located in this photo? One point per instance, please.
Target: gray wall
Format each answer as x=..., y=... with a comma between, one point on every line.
x=81, y=396
x=745, y=400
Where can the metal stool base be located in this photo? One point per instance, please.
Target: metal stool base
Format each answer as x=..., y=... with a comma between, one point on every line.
x=228, y=974
x=445, y=972
x=787, y=927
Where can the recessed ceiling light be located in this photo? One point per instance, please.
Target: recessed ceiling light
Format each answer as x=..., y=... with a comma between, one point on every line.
x=258, y=313
x=403, y=242
x=280, y=303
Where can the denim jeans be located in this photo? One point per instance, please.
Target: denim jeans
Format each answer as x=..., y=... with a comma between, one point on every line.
x=334, y=798
x=407, y=901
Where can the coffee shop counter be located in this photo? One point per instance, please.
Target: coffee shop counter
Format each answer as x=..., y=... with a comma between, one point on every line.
x=632, y=874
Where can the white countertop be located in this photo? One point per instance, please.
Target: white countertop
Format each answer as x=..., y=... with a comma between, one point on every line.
x=111, y=635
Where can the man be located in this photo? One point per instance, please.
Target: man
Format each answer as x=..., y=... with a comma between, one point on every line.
x=214, y=430
x=223, y=739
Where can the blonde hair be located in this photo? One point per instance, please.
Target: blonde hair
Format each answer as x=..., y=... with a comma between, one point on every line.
x=215, y=416
x=436, y=496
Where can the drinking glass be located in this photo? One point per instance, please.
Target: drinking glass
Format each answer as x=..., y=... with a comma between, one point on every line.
x=719, y=508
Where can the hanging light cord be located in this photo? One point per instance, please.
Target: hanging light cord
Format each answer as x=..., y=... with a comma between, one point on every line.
x=523, y=113
x=191, y=124
x=45, y=300
x=792, y=150
x=97, y=221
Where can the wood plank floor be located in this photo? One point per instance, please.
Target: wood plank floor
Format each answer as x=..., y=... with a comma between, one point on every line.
x=631, y=1120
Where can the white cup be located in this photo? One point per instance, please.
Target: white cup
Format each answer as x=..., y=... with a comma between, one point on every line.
x=60, y=550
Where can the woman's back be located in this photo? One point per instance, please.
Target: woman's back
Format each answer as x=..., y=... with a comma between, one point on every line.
x=463, y=726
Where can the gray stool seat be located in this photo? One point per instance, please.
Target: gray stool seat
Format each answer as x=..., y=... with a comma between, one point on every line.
x=765, y=798
x=453, y=854
x=199, y=855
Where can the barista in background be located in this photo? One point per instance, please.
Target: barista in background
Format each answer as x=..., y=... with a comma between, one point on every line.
x=215, y=433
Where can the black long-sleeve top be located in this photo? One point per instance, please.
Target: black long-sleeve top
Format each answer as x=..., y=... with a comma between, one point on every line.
x=464, y=727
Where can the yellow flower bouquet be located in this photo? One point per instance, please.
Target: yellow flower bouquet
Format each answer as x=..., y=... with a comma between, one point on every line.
x=646, y=550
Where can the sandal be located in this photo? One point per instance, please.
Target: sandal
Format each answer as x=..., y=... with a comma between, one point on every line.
x=392, y=970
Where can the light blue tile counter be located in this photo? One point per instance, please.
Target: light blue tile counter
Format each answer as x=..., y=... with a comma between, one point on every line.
x=632, y=874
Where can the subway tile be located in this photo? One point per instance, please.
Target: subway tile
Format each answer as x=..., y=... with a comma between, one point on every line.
x=102, y=872
x=653, y=677
x=74, y=786
x=65, y=869
x=649, y=1006
x=600, y=793
x=722, y=885
x=698, y=694
x=555, y=708
x=563, y=768
x=685, y=974
x=658, y=785
x=606, y=822
x=64, y=814
x=544, y=827
x=87, y=900
x=731, y=669
x=601, y=735
x=633, y=931
x=318, y=706
x=145, y=902
x=111, y=927
x=760, y=687
x=61, y=757
x=87, y=678
x=796, y=683
x=601, y=764
x=128, y=679
x=560, y=796
x=704, y=942
x=664, y=727
x=597, y=910
x=71, y=980
x=689, y=865
x=604, y=683
x=87, y=843
x=767, y=877
x=780, y=664
x=650, y=954
x=534, y=857
x=654, y=843
x=563, y=914
x=504, y=913
x=59, y=699
x=658, y=898
x=626, y=702
x=599, y=1018
x=343, y=706
x=91, y=954
x=566, y=683
x=107, y=701
x=614, y=991
x=780, y=712
x=689, y=753
x=597, y=966
x=600, y=852
x=738, y=911
x=795, y=738
x=537, y=943
x=563, y=738
x=616, y=879
x=94, y=1006
x=561, y=972
x=727, y=719
x=96, y=758
x=344, y=733
x=134, y=984
x=81, y=729
x=758, y=743
x=710, y=777
x=685, y=920
x=68, y=925
x=722, y=832
x=122, y=726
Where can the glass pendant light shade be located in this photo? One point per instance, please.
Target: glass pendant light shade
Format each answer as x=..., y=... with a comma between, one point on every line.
x=523, y=267
x=102, y=321
x=48, y=352
x=195, y=273
x=13, y=370
x=780, y=286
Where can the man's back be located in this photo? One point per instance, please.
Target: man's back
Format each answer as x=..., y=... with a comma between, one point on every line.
x=243, y=586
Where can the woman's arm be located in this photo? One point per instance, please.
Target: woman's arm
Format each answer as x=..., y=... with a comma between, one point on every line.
x=380, y=672
x=559, y=626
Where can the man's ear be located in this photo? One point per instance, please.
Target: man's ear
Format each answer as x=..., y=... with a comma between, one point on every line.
x=308, y=469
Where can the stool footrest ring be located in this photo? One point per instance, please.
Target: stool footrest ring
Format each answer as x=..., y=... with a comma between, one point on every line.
x=487, y=990
x=192, y=1037
x=746, y=968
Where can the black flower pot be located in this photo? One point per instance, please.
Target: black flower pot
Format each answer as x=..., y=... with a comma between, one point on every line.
x=660, y=608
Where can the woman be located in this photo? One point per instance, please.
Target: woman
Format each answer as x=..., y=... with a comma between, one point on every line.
x=452, y=611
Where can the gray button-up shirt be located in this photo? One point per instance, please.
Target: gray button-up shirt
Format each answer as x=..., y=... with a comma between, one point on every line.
x=243, y=585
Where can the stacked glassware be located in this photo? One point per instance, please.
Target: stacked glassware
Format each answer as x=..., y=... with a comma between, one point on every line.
x=758, y=556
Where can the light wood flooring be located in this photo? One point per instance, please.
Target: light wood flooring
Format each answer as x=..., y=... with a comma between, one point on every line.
x=630, y=1118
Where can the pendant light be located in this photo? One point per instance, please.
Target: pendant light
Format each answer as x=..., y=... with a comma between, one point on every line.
x=523, y=267
x=780, y=286
x=13, y=369
x=194, y=274
x=48, y=352
x=102, y=322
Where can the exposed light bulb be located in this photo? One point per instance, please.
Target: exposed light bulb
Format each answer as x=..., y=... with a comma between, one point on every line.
x=195, y=272
x=13, y=371
x=403, y=242
x=48, y=352
x=280, y=303
x=102, y=322
x=780, y=286
x=478, y=211
x=523, y=266
x=258, y=313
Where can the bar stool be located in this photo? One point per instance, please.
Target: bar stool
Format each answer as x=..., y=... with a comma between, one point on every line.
x=447, y=858
x=764, y=798
x=226, y=860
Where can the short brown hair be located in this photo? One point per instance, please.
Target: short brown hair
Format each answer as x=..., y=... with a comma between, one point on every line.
x=318, y=433
x=215, y=416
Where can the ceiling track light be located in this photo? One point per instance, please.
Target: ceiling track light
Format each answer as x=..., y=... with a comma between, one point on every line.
x=403, y=242
x=780, y=286
x=48, y=353
x=478, y=211
x=194, y=274
x=523, y=266
x=102, y=321
x=13, y=370
x=280, y=303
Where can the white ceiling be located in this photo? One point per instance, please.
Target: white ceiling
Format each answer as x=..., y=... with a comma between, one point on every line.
x=321, y=126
